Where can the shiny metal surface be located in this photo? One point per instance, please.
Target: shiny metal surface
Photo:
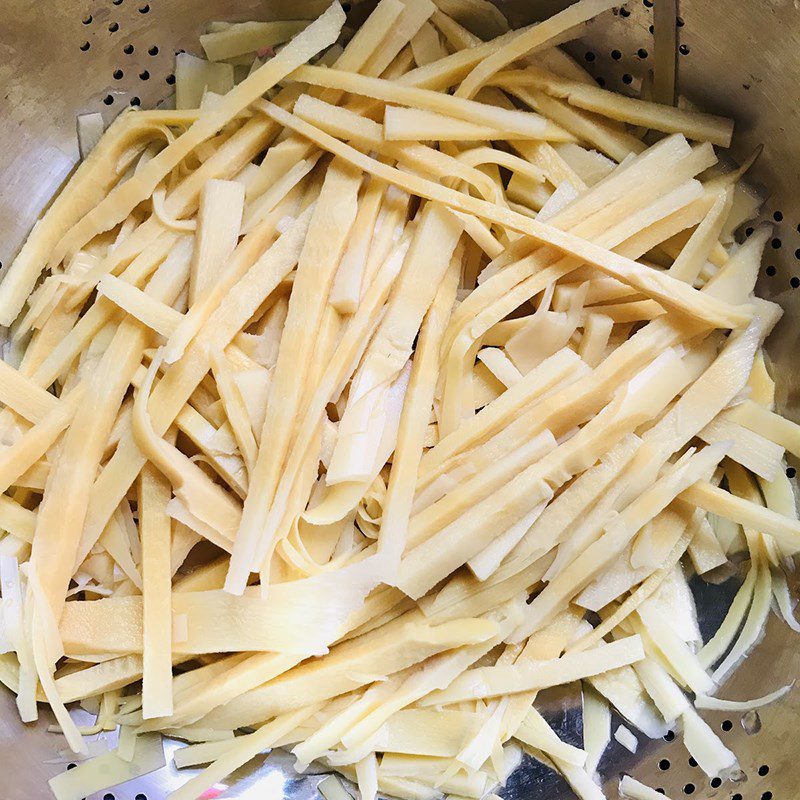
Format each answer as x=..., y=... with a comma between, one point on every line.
x=740, y=58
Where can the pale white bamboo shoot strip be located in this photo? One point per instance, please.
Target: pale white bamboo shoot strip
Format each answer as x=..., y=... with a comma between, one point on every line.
x=417, y=125
x=116, y=206
x=694, y=125
x=156, y=315
x=525, y=124
x=426, y=47
x=527, y=675
x=195, y=76
x=737, y=509
x=155, y=532
x=22, y=395
x=17, y=459
x=248, y=37
x=218, y=222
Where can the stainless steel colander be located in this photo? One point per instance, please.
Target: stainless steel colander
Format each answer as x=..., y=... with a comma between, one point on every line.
x=737, y=57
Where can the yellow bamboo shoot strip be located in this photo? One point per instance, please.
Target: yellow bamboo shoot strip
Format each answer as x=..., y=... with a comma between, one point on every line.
x=522, y=124
x=597, y=329
x=297, y=619
x=659, y=286
x=491, y=468
x=219, y=218
x=568, y=507
x=247, y=37
x=186, y=685
x=346, y=124
x=529, y=41
x=634, y=311
x=215, y=513
x=23, y=396
x=180, y=381
x=457, y=36
x=331, y=731
x=340, y=122
x=768, y=424
x=63, y=509
x=425, y=265
x=35, y=477
x=156, y=315
x=17, y=519
x=393, y=647
x=416, y=408
x=117, y=542
x=23, y=455
x=536, y=733
x=692, y=124
x=87, y=186
x=155, y=533
x=116, y=206
x=587, y=127
x=761, y=456
x=408, y=23
x=115, y=673
x=420, y=125
x=688, y=265
x=724, y=504
x=527, y=675
x=446, y=72
x=332, y=219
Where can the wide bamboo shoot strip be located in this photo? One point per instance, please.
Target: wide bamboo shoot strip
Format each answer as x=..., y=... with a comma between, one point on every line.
x=155, y=531
x=318, y=425
x=694, y=125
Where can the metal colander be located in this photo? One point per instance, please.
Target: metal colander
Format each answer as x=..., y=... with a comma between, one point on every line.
x=736, y=57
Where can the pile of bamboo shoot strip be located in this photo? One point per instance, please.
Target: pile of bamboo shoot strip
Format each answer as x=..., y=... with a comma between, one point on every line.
x=382, y=389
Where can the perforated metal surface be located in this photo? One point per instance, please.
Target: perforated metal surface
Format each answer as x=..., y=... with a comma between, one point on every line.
x=737, y=57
